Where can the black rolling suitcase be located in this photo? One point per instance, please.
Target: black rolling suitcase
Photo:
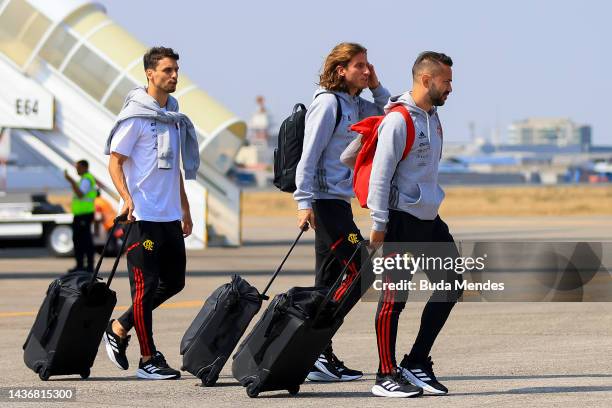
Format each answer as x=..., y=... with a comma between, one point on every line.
x=70, y=322
x=214, y=333
x=293, y=331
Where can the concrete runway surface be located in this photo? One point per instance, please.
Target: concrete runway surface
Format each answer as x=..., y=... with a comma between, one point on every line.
x=488, y=354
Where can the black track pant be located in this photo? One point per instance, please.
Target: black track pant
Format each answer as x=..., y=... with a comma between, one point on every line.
x=83, y=241
x=336, y=239
x=403, y=227
x=156, y=265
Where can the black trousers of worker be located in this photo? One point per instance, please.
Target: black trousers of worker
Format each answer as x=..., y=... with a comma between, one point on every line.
x=83, y=241
x=156, y=266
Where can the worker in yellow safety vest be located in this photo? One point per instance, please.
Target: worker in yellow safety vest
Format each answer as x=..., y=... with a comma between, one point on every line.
x=83, y=208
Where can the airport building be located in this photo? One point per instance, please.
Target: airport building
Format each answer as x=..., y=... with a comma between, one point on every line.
x=559, y=132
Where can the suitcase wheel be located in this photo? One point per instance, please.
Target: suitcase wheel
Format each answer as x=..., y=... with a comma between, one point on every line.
x=85, y=374
x=294, y=390
x=44, y=374
x=210, y=382
x=252, y=390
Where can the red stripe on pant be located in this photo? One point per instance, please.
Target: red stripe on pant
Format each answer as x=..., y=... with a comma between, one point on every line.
x=384, y=327
x=390, y=358
x=385, y=337
x=379, y=332
x=135, y=309
x=138, y=310
x=386, y=312
x=132, y=247
x=335, y=244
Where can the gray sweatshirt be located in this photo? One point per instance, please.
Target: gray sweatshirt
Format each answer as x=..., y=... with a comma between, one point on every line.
x=139, y=104
x=320, y=174
x=409, y=185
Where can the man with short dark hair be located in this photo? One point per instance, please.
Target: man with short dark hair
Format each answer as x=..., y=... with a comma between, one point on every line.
x=84, y=194
x=404, y=197
x=146, y=146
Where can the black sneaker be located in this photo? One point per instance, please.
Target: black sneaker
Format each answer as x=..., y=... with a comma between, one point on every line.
x=422, y=374
x=115, y=347
x=157, y=369
x=324, y=370
x=347, y=374
x=329, y=368
x=395, y=386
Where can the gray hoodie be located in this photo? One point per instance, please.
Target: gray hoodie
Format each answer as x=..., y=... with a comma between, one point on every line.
x=320, y=174
x=409, y=185
x=139, y=104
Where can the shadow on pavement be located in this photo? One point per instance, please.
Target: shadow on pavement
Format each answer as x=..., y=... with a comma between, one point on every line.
x=94, y=379
x=521, y=377
x=308, y=394
x=537, y=390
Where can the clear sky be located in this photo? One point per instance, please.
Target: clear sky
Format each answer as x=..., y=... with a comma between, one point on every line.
x=512, y=59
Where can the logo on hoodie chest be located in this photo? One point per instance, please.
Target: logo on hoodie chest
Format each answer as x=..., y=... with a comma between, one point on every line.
x=423, y=150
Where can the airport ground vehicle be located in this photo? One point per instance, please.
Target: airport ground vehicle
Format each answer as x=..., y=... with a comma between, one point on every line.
x=31, y=218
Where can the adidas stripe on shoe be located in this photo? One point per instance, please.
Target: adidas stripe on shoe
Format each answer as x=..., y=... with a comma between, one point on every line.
x=395, y=386
x=328, y=368
x=324, y=370
x=115, y=347
x=157, y=369
x=422, y=374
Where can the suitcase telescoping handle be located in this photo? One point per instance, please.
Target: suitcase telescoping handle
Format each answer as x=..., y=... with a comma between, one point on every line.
x=111, y=233
x=364, y=243
x=303, y=229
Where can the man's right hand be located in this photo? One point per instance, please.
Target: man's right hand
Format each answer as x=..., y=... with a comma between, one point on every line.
x=376, y=238
x=128, y=209
x=306, y=218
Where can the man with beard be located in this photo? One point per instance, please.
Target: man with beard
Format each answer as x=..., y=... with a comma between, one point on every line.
x=146, y=146
x=404, y=197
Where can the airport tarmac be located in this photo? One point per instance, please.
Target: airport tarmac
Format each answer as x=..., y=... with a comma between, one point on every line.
x=488, y=354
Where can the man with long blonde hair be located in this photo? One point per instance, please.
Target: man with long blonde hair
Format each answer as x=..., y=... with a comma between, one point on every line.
x=324, y=184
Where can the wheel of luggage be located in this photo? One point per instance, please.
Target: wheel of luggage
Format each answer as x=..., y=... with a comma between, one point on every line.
x=294, y=390
x=85, y=374
x=252, y=390
x=210, y=382
x=44, y=374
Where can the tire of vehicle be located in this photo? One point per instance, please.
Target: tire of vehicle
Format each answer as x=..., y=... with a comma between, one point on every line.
x=58, y=239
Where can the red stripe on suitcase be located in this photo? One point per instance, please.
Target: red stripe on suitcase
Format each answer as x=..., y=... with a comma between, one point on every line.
x=346, y=282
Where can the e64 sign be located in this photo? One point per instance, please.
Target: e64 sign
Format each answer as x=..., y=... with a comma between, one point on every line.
x=24, y=104
x=27, y=111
